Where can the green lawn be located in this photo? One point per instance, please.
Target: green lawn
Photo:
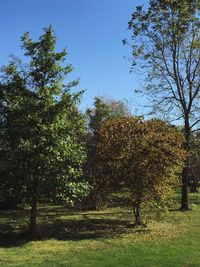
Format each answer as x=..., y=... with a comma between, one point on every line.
x=91, y=238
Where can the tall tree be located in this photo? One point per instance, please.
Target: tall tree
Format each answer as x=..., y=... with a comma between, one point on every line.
x=165, y=43
x=143, y=156
x=41, y=124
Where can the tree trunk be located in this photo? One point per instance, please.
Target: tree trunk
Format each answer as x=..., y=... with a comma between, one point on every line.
x=137, y=213
x=185, y=173
x=193, y=188
x=33, y=216
x=184, y=202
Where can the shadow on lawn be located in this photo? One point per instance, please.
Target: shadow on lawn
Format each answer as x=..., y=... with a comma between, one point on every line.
x=54, y=227
x=13, y=239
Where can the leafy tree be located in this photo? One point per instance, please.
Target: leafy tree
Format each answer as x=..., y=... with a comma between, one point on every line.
x=143, y=156
x=165, y=43
x=41, y=125
x=95, y=169
x=11, y=186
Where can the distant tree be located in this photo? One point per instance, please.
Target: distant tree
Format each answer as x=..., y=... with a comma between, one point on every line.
x=165, y=43
x=143, y=156
x=41, y=125
x=105, y=108
x=95, y=169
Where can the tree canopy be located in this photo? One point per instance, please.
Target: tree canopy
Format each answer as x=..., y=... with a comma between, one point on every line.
x=95, y=169
x=165, y=44
x=143, y=156
x=41, y=125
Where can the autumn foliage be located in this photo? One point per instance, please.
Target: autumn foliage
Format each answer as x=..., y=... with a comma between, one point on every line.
x=144, y=156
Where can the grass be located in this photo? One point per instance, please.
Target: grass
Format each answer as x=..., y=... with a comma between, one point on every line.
x=101, y=238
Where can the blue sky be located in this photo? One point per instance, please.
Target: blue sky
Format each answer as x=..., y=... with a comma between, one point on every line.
x=92, y=31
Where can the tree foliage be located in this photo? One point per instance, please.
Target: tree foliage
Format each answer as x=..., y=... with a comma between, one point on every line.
x=96, y=171
x=165, y=43
x=41, y=125
x=144, y=156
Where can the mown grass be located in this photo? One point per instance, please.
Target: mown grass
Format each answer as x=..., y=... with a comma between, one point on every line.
x=101, y=238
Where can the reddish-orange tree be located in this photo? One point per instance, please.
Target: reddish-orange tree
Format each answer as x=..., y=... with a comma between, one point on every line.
x=144, y=156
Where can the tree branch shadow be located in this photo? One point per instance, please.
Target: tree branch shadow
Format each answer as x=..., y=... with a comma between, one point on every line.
x=55, y=227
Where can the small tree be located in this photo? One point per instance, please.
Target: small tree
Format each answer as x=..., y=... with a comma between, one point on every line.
x=42, y=125
x=144, y=156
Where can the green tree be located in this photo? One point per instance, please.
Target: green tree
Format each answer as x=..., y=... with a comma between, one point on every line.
x=165, y=43
x=41, y=125
x=144, y=157
x=12, y=96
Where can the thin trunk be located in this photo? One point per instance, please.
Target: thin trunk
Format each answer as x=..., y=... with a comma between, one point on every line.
x=137, y=213
x=193, y=188
x=33, y=217
x=184, y=202
x=93, y=196
x=185, y=172
x=33, y=214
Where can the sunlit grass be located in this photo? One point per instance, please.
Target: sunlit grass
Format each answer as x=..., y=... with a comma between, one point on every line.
x=102, y=238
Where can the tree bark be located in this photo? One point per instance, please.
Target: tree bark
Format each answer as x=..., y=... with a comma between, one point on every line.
x=137, y=213
x=33, y=214
x=184, y=200
x=193, y=188
x=32, y=228
x=185, y=172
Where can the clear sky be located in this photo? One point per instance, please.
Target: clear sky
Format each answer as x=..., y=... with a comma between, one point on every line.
x=92, y=31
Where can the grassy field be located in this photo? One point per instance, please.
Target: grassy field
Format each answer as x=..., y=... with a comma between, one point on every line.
x=101, y=238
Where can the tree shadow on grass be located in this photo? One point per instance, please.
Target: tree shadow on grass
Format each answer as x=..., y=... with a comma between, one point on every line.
x=53, y=226
x=174, y=210
x=13, y=239
x=85, y=229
